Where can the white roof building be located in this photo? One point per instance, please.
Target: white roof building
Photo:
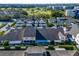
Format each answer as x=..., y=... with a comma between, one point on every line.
x=41, y=21
x=29, y=23
x=20, y=21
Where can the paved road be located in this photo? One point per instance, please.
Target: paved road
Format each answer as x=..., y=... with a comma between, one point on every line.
x=11, y=52
x=4, y=28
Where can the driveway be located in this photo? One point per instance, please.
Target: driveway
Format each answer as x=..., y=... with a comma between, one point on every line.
x=35, y=51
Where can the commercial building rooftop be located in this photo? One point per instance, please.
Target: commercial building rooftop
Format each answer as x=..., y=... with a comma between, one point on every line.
x=39, y=34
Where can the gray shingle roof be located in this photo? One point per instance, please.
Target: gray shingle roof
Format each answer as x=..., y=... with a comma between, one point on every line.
x=18, y=34
x=12, y=35
x=29, y=32
x=51, y=34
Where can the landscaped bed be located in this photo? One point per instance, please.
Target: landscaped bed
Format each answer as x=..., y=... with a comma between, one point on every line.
x=67, y=47
x=50, y=47
x=1, y=33
x=6, y=46
x=2, y=25
x=13, y=24
x=13, y=48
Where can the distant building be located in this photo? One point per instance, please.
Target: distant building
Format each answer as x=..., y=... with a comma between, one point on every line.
x=8, y=12
x=29, y=23
x=69, y=13
x=77, y=14
x=69, y=7
x=72, y=13
x=61, y=7
x=42, y=23
x=57, y=7
x=19, y=23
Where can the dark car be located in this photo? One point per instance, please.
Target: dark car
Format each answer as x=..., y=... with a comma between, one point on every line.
x=46, y=53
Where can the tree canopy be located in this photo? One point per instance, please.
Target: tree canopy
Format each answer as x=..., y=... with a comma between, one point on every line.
x=57, y=14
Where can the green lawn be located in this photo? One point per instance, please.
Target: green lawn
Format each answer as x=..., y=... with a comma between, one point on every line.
x=1, y=33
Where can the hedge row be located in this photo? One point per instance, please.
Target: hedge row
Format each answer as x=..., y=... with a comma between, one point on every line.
x=15, y=48
x=67, y=47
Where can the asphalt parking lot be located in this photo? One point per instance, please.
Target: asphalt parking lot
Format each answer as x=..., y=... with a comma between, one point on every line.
x=12, y=52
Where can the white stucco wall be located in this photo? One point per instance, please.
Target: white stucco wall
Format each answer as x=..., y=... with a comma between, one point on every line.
x=77, y=39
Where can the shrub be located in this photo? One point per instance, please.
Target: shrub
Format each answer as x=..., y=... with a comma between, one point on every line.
x=5, y=43
x=68, y=47
x=17, y=47
x=52, y=43
x=50, y=25
x=13, y=24
x=2, y=25
x=6, y=47
x=50, y=47
x=67, y=43
x=1, y=33
x=65, y=25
